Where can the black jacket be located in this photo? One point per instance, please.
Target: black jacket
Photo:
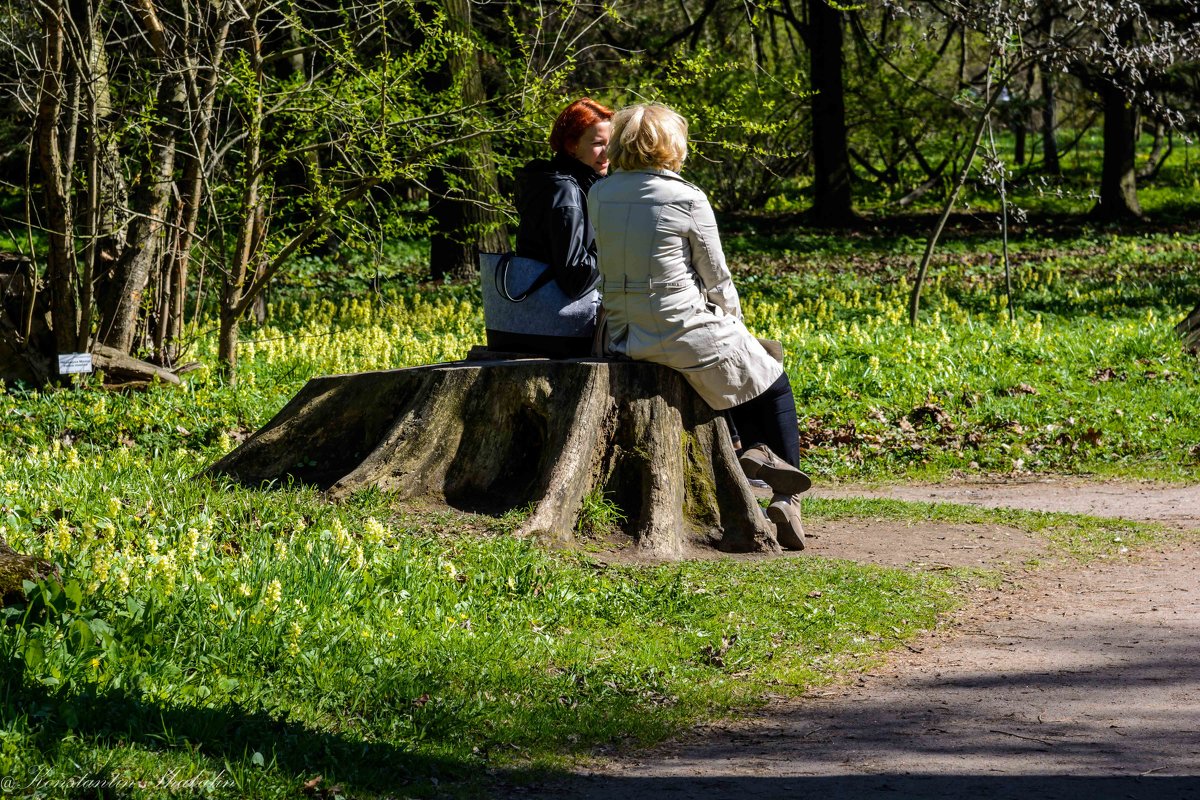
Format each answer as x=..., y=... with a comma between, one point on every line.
x=554, y=227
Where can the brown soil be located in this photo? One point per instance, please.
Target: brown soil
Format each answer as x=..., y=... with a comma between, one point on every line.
x=1069, y=682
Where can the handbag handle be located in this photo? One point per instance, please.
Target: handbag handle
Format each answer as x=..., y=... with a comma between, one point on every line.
x=502, y=280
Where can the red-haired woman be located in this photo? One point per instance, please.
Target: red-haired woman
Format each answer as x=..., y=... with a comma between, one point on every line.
x=552, y=200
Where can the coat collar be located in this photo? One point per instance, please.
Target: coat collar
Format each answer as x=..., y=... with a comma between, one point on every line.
x=666, y=173
x=584, y=175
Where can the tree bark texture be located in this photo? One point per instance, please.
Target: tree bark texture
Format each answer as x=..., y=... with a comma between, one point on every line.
x=15, y=569
x=120, y=297
x=490, y=437
x=465, y=221
x=832, y=201
x=60, y=224
x=1188, y=330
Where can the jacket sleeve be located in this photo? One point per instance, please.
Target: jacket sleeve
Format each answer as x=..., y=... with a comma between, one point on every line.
x=572, y=249
x=708, y=259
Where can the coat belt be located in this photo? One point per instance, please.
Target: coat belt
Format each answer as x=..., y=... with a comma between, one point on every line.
x=626, y=285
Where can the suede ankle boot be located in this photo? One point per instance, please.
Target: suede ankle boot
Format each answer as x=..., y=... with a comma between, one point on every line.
x=784, y=511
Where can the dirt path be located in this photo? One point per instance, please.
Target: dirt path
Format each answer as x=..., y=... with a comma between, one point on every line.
x=1178, y=506
x=1071, y=683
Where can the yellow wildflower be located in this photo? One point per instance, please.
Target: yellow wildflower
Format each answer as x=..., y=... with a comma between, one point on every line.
x=293, y=638
x=274, y=594
x=374, y=531
x=191, y=543
x=63, y=531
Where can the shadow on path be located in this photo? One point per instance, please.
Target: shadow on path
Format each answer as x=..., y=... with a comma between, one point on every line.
x=898, y=787
x=1080, y=684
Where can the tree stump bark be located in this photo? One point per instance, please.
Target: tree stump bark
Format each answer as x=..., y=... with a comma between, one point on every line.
x=15, y=569
x=490, y=437
x=1188, y=330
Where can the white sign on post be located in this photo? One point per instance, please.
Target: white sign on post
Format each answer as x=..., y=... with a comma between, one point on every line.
x=74, y=363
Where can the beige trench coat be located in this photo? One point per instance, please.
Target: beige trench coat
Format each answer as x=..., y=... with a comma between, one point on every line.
x=668, y=293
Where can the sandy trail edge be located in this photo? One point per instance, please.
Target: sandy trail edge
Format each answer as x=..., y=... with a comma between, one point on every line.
x=1174, y=505
x=1073, y=682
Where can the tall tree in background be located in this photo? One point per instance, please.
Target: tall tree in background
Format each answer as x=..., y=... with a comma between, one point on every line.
x=55, y=157
x=820, y=26
x=463, y=186
x=121, y=288
x=1118, y=174
x=1049, y=100
x=823, y=33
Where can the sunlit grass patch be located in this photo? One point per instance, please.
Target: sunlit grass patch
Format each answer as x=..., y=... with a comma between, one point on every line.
x=199, y=624
x=1079, y=536
x=1089, y=377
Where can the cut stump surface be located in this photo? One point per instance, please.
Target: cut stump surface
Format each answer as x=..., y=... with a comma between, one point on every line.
x=534, y=434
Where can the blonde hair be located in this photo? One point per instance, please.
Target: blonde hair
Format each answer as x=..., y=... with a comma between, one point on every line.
x=648, y=136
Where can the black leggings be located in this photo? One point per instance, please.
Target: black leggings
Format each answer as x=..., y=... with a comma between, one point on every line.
x=770, y=419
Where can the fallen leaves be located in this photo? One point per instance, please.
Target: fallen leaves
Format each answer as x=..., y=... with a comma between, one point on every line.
x=931, y=415
x=714, y=655
x=1107, y=374
x=313, y=788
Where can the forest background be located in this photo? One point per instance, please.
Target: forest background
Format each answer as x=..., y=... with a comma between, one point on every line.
x=249, y=194
x=166, y=163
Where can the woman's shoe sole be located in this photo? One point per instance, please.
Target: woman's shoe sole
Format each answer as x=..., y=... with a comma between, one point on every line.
x=782, y=478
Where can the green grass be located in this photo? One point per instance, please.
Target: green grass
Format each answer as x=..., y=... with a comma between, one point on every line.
x=211, y=640
x=203, y=623
x=1077, y=536
x=1089, y=378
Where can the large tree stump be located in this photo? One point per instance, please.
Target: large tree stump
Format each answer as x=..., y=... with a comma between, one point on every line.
x=490, y=437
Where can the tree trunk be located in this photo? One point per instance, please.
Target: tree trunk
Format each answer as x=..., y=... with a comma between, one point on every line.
x=832, y=202
x=462, y=189
x=1050, y=162
x=56, y=182
x=234, y=291
x=492, y=437
x=227, y=342
x=1118, y=175
x=120, y=299
x=1188, y=330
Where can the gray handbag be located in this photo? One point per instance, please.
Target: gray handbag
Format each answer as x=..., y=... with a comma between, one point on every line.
x=524, y=311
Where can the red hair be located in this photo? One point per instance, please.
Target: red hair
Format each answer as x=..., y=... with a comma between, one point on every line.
x=574, y=120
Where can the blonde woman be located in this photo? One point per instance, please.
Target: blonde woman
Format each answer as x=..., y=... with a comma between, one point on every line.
x=670, y=299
